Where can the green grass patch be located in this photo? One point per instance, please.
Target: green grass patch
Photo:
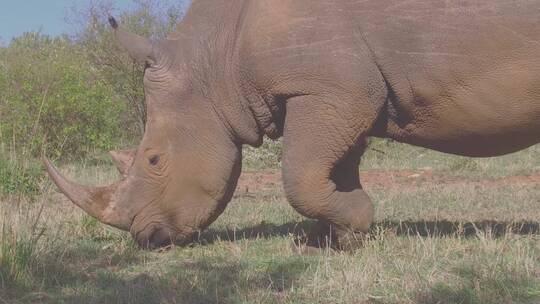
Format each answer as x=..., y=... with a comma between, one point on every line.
x=268, y=156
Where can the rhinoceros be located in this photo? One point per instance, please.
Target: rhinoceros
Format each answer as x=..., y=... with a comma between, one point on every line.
x=461, y=77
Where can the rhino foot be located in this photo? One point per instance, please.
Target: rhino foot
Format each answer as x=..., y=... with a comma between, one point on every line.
x=348, y=240
x=326, y=238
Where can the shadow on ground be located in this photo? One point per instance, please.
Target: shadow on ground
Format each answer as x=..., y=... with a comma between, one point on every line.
x=214, y=285
x=440, y=228
x=87, y=275
x=471, y=286
x=449, y=228
x=198, y=282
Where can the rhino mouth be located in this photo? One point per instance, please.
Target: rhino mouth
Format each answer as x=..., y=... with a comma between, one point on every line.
x=156, y=236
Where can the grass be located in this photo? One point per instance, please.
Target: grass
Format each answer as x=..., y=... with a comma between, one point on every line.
x=389, y=155
x=265, y=157
x=433, y=242
x=19, y=177
x=17, y=253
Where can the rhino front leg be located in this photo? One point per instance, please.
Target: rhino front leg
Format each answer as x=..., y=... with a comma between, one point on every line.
x=323, y=144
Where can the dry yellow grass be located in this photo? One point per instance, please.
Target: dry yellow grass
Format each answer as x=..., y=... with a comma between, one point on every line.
x=434, y=242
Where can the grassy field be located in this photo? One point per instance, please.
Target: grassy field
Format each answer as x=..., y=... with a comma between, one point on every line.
x=448, y=230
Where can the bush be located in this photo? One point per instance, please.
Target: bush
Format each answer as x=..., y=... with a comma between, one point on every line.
x=149, y=18
x=49, y=95
x=20, y=177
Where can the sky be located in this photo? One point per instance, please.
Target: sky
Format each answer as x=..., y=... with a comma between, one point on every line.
x=49, y=16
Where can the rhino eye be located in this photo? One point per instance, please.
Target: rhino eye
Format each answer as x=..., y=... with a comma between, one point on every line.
x=153, y=160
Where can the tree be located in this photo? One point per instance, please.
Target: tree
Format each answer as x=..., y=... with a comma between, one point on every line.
x=150, y=18
x=49, y=95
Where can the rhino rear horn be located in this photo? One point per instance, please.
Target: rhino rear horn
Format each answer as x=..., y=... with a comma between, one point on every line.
x=139, y=48
x=123, y=159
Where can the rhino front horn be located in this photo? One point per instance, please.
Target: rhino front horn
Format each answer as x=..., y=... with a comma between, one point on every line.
x=98, y=202
x=139, y=48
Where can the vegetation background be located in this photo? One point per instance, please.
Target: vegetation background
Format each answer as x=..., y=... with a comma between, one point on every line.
x=449, y=229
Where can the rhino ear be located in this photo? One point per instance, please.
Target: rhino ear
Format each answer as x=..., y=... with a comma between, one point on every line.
x=138, y=47
x=123, y=159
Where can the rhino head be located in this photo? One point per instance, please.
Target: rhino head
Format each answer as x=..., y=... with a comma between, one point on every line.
x=184, y=172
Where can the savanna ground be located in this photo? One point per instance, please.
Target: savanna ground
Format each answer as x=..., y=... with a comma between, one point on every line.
x=448, y=230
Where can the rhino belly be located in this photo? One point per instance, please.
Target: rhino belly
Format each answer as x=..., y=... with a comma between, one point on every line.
x=488, y=114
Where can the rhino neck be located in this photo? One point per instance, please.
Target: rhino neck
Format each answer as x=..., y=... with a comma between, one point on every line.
x=217, y=68
x=267, y=109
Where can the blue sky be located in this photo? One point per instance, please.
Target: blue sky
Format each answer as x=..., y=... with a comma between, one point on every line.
x=19, y=16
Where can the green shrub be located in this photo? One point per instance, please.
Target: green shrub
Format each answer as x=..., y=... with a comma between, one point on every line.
x=459, y=164
x=20, y=177
x=112, y=64
x=49, y=94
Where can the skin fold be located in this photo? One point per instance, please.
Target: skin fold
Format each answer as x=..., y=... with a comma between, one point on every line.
x=460, y=77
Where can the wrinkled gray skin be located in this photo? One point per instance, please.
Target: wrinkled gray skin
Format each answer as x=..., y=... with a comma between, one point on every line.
x=460, y=77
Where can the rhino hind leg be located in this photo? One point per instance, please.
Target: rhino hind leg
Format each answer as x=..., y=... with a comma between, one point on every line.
x=320, y=172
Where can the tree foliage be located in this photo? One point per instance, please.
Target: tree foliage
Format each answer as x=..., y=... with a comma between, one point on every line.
x=80, y=93
x=51, y=95
x=149, y=18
